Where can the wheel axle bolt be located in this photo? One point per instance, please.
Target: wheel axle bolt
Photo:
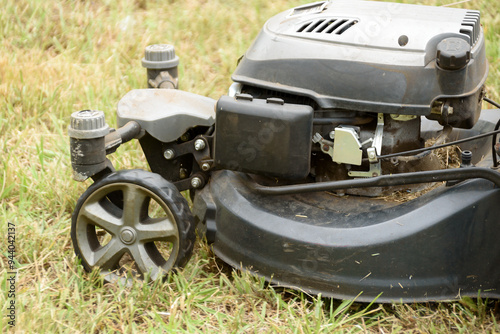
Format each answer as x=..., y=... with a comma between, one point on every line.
x=196, y=182
x=127, y=235
x=169, y=154
x=199, y=144
x=205, y=166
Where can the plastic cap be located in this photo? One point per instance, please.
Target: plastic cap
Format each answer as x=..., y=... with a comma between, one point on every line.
x=453, y=53
x=88, y=124
x=160, y=56
x=466, y=158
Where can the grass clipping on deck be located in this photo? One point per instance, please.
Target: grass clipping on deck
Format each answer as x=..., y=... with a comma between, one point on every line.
x=449, y=157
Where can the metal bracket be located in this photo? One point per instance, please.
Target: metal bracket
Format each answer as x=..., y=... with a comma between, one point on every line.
x=345, y=149
x=373, y=151
x=375, y=170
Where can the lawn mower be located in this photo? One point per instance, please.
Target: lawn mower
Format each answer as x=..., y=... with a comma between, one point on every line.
x=350, y=158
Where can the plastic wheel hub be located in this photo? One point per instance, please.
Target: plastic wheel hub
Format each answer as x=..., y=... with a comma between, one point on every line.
x=128, y=235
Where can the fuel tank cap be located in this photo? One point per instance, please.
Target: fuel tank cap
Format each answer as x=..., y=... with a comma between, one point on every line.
x=453, y=53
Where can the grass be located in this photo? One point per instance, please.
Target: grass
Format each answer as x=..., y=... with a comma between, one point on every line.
x=57, y=57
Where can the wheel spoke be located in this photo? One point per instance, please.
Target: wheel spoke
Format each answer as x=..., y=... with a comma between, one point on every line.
x=144, y=262
x=108, y=256
x=158, y=229
x=134, y=202
x=102, y=218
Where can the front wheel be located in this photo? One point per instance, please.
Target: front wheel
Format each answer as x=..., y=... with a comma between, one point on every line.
x=132, y=223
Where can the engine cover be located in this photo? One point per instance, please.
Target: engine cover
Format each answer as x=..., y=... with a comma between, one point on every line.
x=372, y=57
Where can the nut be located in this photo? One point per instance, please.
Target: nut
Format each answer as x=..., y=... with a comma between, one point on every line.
x=169, y=154
x=196, y=182
x=205, y=166
x=199, y=144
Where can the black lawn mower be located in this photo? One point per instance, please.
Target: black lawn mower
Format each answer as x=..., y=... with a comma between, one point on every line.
x=350, y=158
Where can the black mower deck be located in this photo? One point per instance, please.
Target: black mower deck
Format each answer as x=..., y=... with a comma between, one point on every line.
x=440, y=246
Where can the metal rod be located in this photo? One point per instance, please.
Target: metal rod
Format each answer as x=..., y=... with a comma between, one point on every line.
x=458, y=174
x=386, y=156
x=493, y=103
x=342, y=120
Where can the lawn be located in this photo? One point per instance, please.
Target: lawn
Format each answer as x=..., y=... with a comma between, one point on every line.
x=57, y=57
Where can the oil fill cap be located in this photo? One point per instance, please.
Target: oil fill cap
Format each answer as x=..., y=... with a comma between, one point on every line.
x=453, y=53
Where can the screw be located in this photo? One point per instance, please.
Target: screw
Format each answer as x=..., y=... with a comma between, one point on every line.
x=332, y=134
x=169, y=154
x=183, y=173
x=371, y=154
x=205, y=166
x=199, y=144
x=326, y=147
x=196, y=182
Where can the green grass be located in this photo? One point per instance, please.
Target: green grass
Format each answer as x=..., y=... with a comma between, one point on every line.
x=57, y=57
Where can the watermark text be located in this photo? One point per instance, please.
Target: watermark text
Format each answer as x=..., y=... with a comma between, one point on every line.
x=11, y=274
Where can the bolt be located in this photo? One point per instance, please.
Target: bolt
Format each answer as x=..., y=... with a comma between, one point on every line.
x=371, y=154
x=332, y=134
x=169, y=154
x=183, y=173
x=199, y=144
x=127, y=235
x=326, y=147
x=205, y=166
x=196, y=182
x=374, y=174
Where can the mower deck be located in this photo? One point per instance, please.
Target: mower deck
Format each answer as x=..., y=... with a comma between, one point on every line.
x=440, y=246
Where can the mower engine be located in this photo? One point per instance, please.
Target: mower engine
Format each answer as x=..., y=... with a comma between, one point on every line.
x=356, y=78
x=336, y=105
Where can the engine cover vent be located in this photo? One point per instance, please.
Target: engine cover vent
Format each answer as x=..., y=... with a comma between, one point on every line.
x=471, y=26
x=335, y=26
